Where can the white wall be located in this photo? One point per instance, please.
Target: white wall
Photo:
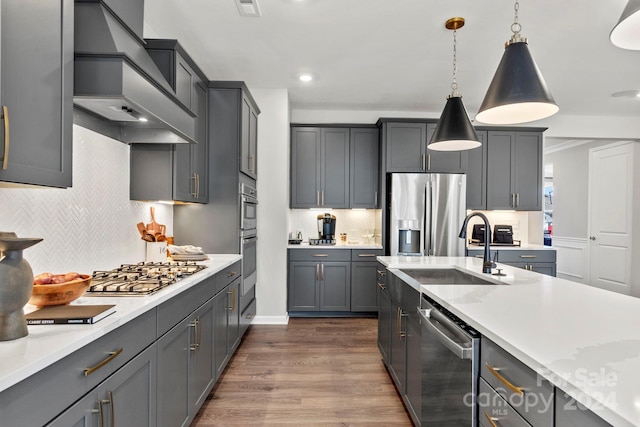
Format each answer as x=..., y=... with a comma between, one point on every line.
x=90, y=226
x=273, y=204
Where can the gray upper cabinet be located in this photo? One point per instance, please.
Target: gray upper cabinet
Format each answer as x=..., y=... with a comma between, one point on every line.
x=514, y=170
x=477, y=175
x=36, y=92
x=249, y=139
x=176, y=172
x=364, y=168
x=319, y=167
x=405, y=146
x=443, y=161
x=406, y=149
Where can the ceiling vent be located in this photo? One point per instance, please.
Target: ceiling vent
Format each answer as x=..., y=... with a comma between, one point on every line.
x=248, y=7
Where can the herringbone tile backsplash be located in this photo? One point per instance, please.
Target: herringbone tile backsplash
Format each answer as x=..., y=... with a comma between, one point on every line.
x=91, y=226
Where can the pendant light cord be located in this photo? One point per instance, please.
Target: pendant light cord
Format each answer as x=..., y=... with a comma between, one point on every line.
x=516, y=27
x=454, y=83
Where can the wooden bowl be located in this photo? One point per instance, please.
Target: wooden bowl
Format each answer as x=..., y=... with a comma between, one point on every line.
x=61, y=293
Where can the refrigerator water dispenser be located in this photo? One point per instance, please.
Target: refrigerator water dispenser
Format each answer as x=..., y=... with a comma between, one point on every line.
x=409, y=237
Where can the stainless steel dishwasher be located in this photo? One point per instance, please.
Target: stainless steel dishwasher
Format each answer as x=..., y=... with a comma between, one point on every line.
x=450, y=357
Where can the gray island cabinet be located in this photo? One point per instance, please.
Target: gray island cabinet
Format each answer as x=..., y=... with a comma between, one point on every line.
x=154, y=369
x=513, y=389
x=37, y=88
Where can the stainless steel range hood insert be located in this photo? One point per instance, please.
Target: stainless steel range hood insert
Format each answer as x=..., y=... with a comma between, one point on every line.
x=116, y=79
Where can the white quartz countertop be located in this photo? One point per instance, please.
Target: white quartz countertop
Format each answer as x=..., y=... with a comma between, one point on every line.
x=46, y=344
x=306, y=245
x=514, y=248
x=582, y=339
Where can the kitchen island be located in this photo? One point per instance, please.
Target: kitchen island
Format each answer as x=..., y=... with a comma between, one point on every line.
x=190, y=326
x=581, y=339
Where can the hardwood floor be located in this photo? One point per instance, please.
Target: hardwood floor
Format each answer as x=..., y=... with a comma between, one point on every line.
x=312, y=372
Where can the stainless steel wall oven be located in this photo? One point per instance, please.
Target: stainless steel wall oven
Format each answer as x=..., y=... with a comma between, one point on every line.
x=248, y=207
x=248, y=236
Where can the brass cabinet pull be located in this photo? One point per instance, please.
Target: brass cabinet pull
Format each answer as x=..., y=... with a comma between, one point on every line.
x=196, y=334
x=375, y=199
x=527, y=256
x=513, y=200
x=322, y=271
x=320, y=255
x=231, y=274
x=503, y=380
x=322, y=198
x=422, y=162
x=112, y=355
x=366, y=255
x=381, y=286
x=317, y=271
x=517, y=199
x=195, y=185
x=233, y=302
x=429, y=162
x=112, y=410
x=317, y=198
x=492, y=420
x=5, y=116
x=400, y=315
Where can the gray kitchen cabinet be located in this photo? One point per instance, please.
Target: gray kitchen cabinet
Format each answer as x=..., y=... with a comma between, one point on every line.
x=128, y=397
x=514, y=170
x=476, y=171
x=364, y=168
x=397, y=363
x=185, y=368
x=36, y=79
x=177, y=172
x=319, y=167
x=405, y=145
x=384, y=313
x=443, y=161
x=226, y=325
x=538, y=260
x=249, y=139
x=234, y=115
x=413, y=393
x=570, y=413
x=319, y=280
x=364, y=289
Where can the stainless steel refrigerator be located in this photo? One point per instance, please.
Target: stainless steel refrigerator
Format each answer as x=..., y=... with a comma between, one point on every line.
x=426, y=214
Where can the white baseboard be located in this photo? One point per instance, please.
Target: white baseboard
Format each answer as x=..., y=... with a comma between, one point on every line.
x=572, y=258
x=270, y=320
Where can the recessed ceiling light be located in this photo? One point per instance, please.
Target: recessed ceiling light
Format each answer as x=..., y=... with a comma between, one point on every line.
x=627, y=94
x=305, y=77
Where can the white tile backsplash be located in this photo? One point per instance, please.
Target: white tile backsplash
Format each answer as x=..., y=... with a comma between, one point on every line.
x=91, y=226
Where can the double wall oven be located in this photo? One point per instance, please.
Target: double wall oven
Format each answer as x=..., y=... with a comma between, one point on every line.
x=248, y=235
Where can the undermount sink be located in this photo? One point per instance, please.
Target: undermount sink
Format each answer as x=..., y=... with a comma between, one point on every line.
x=448, y=276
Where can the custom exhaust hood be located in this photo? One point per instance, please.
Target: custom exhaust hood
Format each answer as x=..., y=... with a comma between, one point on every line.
x=115, y=78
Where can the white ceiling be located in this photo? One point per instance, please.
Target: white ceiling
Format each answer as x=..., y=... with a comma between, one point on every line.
x=396, y=55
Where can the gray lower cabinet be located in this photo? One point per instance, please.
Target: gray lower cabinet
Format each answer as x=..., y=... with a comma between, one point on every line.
x=538, y=260
x=570, y=413
x=128, y=397
x=226, y=325
x=36, y=76
x=384, y=314
x=185, y=367
x=364, y=168
x=514, y=170
x=319, y=167
x=404, y=356
x=364, y=271
x=332, y=280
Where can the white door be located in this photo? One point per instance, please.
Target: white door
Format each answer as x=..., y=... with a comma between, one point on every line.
x=610, y=216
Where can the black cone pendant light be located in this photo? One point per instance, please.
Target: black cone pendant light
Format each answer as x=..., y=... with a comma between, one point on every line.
x=518, y=92
x=454, y=131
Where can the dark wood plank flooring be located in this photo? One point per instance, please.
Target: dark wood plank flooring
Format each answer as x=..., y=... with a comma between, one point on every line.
x=312, y=372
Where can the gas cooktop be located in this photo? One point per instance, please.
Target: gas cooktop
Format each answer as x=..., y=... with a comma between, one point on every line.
x=140, y=279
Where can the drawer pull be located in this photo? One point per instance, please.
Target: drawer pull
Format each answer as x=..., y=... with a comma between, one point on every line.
x=492, y=420
x=503, y=380
x=112, y=355
x=478, y=256
x=381, y=286
x=527, y=256
x=5, y=116
x=231, y=274
x=366, y=255
x=320, y=255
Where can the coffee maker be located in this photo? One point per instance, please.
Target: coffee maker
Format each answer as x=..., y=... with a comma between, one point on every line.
x=326, y=227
